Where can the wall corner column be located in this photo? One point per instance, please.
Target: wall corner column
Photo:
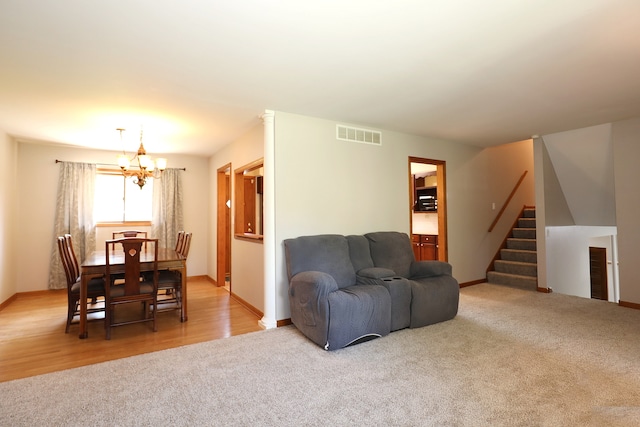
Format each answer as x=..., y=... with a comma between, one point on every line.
x=541, y=228
x=268, y=320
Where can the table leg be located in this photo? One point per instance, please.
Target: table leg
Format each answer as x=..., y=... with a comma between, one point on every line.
x=84, y=280
x=183, y=308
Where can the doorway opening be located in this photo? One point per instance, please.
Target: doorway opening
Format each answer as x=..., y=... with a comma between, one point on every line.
x=598, y=273
x=428, y=208
x=223, y=242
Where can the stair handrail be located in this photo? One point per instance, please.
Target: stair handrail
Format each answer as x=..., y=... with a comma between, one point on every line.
x=504, y=206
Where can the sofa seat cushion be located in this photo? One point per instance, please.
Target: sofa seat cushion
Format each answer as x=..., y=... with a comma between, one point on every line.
x=433, y=300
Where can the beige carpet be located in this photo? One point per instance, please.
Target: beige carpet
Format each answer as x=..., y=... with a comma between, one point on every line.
x=510, y=358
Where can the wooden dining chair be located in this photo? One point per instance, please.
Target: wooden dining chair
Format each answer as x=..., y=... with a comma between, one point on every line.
x=95, y=287
x=137, y=288
x=128, y=233
x=171, y=280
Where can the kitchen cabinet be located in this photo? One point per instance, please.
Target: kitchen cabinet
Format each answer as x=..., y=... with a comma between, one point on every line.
x=425, y=246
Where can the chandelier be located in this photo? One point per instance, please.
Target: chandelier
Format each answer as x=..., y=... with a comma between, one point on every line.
x=146, y=167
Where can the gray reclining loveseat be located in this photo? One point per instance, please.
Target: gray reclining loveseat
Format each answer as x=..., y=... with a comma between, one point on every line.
x=348, y=289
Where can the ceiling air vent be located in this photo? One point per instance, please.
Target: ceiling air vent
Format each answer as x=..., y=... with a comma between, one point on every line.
x=366, y=136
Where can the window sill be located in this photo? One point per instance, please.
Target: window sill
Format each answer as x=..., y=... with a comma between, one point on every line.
x=124, y=223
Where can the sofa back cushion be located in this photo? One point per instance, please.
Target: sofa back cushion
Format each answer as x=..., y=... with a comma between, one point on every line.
x=328, y=253
x=359, y=252
x=391, y=249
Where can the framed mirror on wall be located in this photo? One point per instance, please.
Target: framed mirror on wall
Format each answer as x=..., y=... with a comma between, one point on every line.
x=248, y=201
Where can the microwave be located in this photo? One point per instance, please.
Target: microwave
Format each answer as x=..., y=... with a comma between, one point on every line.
x=426, y=200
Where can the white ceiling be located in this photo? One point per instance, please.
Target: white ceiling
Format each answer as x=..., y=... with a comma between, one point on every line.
x=196, y=74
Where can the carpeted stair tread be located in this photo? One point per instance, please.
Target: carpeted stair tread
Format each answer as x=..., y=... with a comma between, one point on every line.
x=525, y=244
x=516, y=265
x=519, y=255
x=527, y=223
x=517, y=268
x=515, y=280
x=524, y=233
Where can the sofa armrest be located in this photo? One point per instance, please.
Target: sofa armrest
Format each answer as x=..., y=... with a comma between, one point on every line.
x=373, y=276
x=430, y=268
x=309, y=302
x=312, y=285
x=376, y=273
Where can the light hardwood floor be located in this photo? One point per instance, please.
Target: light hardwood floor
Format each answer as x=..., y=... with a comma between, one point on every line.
x=33, y=342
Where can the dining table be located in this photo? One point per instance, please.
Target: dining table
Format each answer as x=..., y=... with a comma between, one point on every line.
x=95, y=266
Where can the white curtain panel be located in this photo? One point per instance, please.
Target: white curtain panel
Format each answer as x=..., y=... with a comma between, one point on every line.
x=74, y=215
x=167, y=208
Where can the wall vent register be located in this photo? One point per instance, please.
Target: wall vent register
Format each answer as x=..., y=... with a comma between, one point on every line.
x=365, y=136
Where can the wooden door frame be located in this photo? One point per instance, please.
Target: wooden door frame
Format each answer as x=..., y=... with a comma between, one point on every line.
x=223, y=223
x=441, y=191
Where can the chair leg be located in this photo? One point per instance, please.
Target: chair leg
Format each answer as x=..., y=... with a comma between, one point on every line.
x=178, y=294
x=71, y=309
x=107, y=321
x=154, y=311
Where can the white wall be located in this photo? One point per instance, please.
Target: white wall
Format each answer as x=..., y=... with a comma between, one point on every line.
x=595, y=174
x=626, y=148
x=568, y=264
x=8, y=211
x=577, y=196
x=37, y=181
x=425, y=222
x=247, y=257
x=583, y=162
x=324, y=185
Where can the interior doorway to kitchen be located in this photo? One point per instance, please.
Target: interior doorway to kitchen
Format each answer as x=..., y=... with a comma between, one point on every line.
x=223, y=241
x=428, y=201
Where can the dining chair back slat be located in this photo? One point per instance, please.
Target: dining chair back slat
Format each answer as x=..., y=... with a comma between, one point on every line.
x=95, y=286
x=137, y=287
x=186, y=245
x=71, y=255
x=179, y=241
x=170, y=280
x=66, y=262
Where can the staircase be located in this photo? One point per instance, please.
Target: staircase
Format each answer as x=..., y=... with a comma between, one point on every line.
x=516, y=264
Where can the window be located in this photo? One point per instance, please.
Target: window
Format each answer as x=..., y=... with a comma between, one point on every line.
x=119, y=199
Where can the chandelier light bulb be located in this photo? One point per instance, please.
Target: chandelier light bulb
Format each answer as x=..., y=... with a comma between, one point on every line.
x=161, y=163
x=147, y=168
x=123, y=161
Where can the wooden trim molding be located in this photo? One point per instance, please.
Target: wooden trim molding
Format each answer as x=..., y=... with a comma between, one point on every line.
x=9, y=300
x=544, y=290
x=473, y=282
x=247, y=305
x=279, y=323
x=202, y=277
x=628, y=304
x=283, y=322
x=42, y=292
